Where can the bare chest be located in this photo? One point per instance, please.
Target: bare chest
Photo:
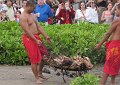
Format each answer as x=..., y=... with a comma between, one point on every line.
x=31, y=21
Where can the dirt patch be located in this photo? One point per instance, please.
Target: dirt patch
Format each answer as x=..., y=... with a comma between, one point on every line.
x=22, y=75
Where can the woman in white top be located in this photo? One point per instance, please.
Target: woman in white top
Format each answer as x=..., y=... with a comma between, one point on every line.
x=91, y=13
x=80, y=14
x=107, y=16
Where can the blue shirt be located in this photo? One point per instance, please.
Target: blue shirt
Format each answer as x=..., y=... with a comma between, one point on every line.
x=45, y=12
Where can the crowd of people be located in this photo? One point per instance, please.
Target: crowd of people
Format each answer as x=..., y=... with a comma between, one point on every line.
x=62, y=11
x=65, y=12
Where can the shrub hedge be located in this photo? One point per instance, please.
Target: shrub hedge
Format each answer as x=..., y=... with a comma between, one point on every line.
x=87, y=79
x=69, y=40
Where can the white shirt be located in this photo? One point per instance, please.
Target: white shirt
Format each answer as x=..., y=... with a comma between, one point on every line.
x=57, y=11
x=92, y=15
x=79, y=14
x=10, y=13
x=21, y=10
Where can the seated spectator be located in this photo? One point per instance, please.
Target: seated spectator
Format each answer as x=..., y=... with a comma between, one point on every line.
x=23, y=6
x=3, y=7
x=17, y=16
x=102, y=3
x=15, y=6
x=114, y=7
x=0, y=6
x=52, y=4
x=102, y=6
x=91, y=13
x=88, y=3
x=80, y=14
x=76, y=5
x=66, y=14
x=10, y=10
x=60, y=6
x=53, y=7
x=107, y=17
x=43, y=11
x=2, y=11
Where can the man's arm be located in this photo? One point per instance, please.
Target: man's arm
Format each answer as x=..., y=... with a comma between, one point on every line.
x=113, y=9
x=24, y=25
x=109, y=33
x=40, y=29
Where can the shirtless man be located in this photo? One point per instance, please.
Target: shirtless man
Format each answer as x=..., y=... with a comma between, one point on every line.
x=31, y=39
x=112, y=63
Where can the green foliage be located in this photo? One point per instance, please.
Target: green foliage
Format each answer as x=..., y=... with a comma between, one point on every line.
x=87, y=79
x=69, y=40
x=11, y=48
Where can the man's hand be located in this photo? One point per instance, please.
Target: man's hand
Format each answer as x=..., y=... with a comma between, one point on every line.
x=38, y=42
x=48, y=39
x=98, y=46
x=69, y=10
x=62, y=18
x=116, y=4
x=37, y=15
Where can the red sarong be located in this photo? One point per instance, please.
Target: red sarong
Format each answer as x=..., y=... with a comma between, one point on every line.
x=112, y=63
x=35, y=52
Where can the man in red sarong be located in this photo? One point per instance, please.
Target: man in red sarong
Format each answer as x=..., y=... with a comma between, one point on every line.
x=31, y=40
x=66, y=14
x=112, y=63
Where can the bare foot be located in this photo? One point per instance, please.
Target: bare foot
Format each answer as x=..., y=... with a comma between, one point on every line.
x=38, y=81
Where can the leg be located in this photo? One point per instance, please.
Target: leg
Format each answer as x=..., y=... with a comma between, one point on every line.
x=35, y=72
x=40, y=67
x=104, y=79
x=112, y=80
